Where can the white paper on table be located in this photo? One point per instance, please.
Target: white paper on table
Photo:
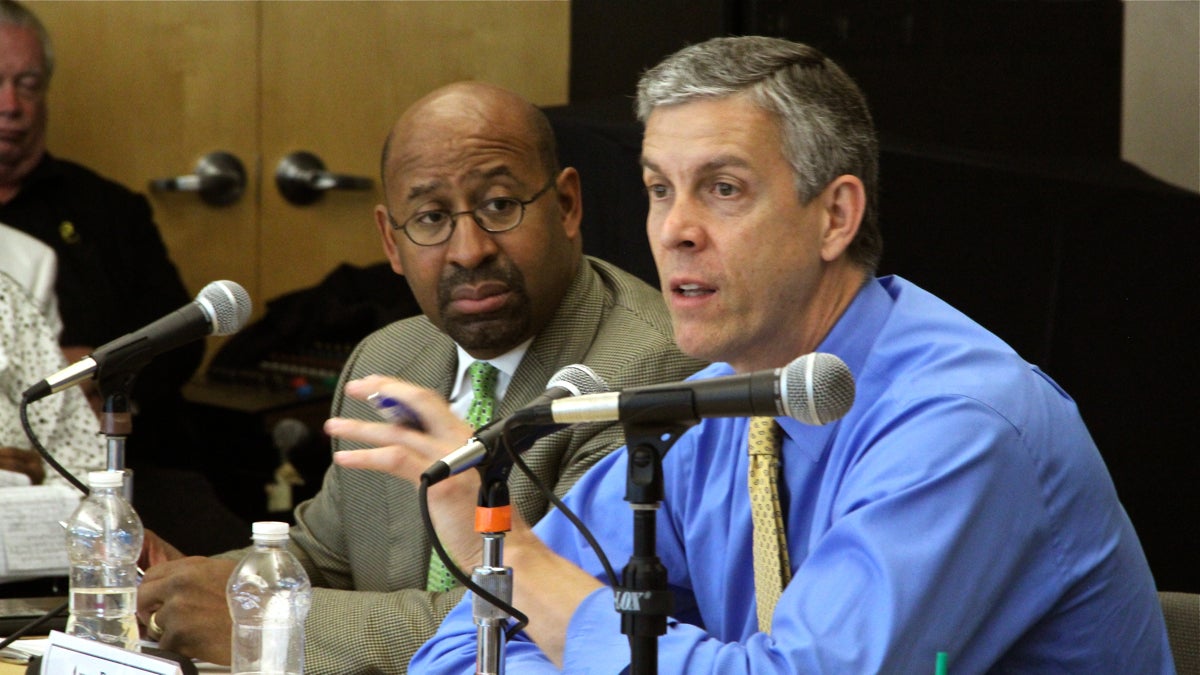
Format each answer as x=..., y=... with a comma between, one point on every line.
x=37, y=647
x=32, y=540
x=13, y=478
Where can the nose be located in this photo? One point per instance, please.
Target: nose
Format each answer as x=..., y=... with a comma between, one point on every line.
x=469, y=245
x=679, y=224
x=10, y=100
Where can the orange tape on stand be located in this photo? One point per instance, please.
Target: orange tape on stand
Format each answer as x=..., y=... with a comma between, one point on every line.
x=495, y=519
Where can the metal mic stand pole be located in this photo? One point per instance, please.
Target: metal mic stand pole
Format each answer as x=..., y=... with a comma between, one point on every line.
x=493, y=517
x=116, y=423
x=643, y=599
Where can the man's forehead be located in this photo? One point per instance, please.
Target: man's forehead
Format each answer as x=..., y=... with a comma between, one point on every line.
x=19, y=46
x=417, y=184
x=703, y=154
x=705, y=134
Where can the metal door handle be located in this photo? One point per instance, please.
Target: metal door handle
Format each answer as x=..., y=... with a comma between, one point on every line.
x=302, y=179
x=219, y=179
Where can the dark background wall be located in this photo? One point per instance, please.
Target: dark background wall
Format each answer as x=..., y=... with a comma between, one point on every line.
x=1011, y=75
x=1002, y=191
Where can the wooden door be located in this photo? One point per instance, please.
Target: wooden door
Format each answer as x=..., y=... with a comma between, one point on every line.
x=336, y=75
x=141, y=90
x=144, y=89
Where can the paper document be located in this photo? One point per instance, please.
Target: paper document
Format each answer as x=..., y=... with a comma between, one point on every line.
x=37, y=647
x=32, y=542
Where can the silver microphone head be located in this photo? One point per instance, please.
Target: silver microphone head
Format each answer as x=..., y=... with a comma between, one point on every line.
x=227, y=304
x=817, y=388
x=578, y=379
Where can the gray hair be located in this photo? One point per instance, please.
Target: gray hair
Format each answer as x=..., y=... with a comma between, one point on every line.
x=15, y=14
x=826, y=126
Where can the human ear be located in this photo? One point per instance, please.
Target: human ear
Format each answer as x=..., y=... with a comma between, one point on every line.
x=384, y=225
x=844, y=201
x=570, y=201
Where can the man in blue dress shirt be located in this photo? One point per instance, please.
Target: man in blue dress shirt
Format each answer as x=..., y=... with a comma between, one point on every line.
x=959, y=507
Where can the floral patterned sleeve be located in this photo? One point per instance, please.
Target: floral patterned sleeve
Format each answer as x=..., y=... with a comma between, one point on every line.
x=64, y=422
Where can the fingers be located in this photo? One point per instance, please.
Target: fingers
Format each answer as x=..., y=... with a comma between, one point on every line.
x=372, y=433
x=402, y=452
x=153, y=630
x=183, y=602
x=391, y=460
x=23, y=461
x=434, y=413
x=198, y=634
x=191, y=577
x=156, y=550
x=397, y=450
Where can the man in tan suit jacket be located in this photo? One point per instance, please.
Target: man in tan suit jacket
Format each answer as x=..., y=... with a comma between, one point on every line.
x=525, y=299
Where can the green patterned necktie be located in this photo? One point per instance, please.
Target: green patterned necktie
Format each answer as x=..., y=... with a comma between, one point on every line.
x=483, y=403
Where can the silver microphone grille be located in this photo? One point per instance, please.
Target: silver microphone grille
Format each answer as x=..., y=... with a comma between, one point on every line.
x=579, y=379
x=817, y=388
x=228, y=306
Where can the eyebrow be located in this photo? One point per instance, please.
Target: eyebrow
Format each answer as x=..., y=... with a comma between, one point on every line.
x=714, y=164
x=26, y=74
x=423, y=189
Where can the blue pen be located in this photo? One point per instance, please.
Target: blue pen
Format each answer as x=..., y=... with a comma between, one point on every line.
x=395, y=411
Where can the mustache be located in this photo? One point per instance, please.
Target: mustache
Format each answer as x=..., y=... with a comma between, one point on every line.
x=493, y=270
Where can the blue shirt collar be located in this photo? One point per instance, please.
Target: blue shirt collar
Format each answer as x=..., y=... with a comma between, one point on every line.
x=851, y=340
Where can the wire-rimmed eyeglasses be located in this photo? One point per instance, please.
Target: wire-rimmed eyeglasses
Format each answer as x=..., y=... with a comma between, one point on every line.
x=498, y=214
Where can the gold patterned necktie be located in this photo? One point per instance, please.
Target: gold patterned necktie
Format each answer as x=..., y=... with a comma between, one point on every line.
x=771, y=568
x=483, y=403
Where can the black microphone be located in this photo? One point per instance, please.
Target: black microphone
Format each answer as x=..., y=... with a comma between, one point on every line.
x=816, y=389
x=573, y=380
x=221, y=308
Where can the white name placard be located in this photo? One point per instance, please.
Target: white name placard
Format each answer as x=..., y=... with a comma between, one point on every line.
x=69, y=655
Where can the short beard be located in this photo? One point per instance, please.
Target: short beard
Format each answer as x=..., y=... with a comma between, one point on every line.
x=496, y=332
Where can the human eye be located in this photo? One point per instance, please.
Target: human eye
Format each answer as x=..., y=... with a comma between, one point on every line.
x=429, y=222
x=498, y=208
x=657, y=191
x=433, y=219
x=725, y=189
x=30, y=83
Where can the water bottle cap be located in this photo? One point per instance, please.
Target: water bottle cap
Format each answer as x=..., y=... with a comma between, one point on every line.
x=270, y=529
x=106, y=479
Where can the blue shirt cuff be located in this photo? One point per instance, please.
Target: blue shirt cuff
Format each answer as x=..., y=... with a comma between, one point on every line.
x=595, y=643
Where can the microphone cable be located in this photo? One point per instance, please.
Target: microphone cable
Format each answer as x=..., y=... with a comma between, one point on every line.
x=41, y=450
x=521, y=620
x=423, y=501
x=33, y=625
x=566, y=511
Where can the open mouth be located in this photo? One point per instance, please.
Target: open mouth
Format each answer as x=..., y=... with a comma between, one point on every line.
x=692, y=290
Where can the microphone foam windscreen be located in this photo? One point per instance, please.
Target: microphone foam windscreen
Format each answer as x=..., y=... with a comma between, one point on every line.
x=818, y=388
x=288, y=434
x=579, y=379
x=228, y=306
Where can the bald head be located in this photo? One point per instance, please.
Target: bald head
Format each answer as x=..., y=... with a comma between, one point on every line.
x=472, y=148
x=463, y=106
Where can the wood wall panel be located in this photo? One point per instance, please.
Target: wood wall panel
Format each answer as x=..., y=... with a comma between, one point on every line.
x=143, y=89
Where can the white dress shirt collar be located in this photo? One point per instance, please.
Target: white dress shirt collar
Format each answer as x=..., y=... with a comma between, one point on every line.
x=507, y=363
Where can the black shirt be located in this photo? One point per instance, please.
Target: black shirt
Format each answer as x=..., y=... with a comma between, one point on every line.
x=114, y=277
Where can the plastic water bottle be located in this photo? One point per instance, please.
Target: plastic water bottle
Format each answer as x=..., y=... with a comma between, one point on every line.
x=104, y=540
x=269, y=594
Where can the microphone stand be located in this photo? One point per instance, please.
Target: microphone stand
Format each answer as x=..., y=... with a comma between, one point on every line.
x=493, y=517
x=116, y=423
x=643, y=599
